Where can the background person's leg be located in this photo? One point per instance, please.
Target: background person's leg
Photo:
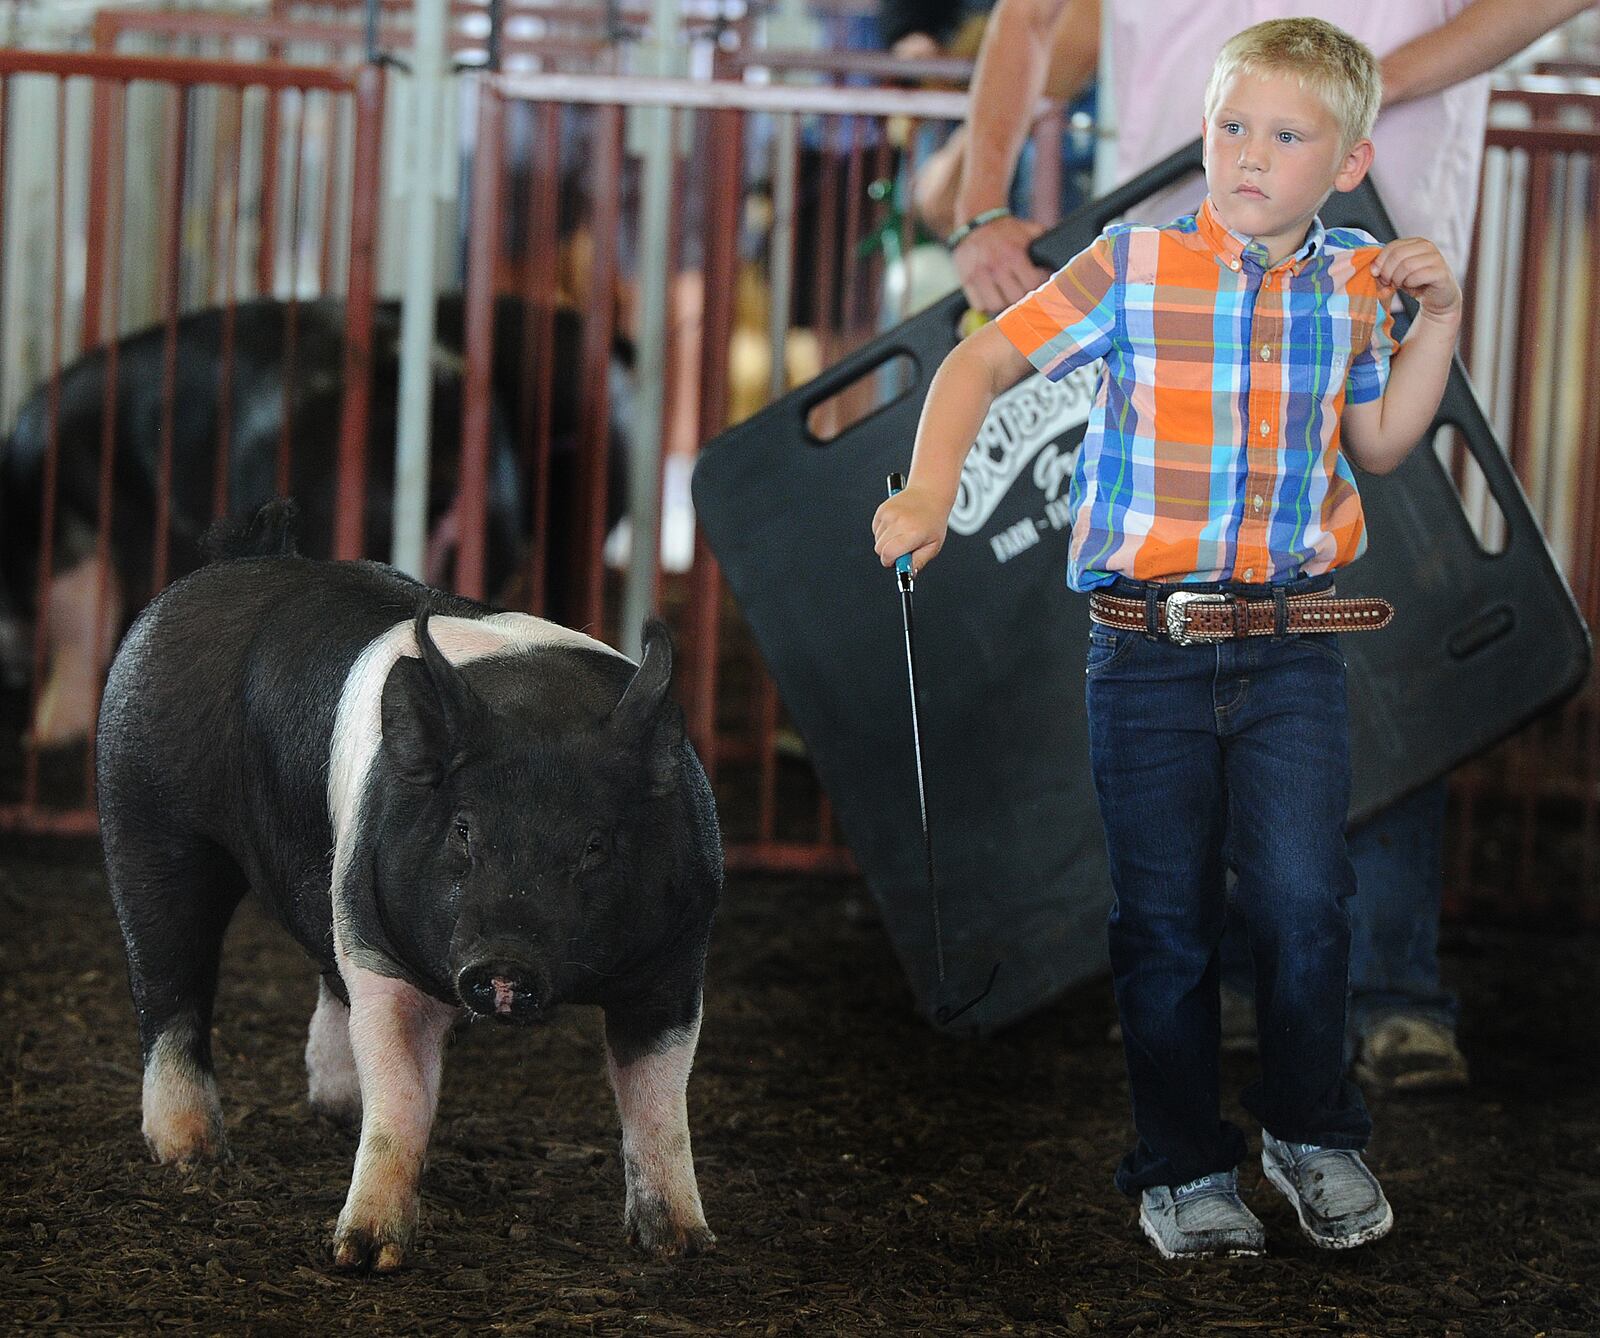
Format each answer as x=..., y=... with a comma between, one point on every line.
x=1402, y=1020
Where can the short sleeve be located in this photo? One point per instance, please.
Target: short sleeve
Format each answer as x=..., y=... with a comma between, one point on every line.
x=1369, y=369
x=1070, y=319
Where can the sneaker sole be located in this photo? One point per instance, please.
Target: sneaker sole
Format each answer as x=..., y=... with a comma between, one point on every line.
x=1376, y=1231
x=1428, y=1080
x=1244, y=1252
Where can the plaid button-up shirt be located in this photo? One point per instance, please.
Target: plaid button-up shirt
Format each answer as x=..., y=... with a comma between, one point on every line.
x=1212, y=451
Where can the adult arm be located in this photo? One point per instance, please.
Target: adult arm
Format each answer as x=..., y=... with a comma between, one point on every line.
x=1027, y=46
x=1478, y=39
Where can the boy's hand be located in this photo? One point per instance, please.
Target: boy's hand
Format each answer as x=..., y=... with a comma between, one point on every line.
x=1414, y=265
x=909, y=522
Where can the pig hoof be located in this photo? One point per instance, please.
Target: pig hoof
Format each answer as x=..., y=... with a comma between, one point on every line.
x=186, y=1147
x=184, y=1137
x=368, y=1250
x=653, y=1231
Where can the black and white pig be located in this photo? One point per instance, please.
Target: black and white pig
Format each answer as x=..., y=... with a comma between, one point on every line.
x=455, y=812
x=278, y=391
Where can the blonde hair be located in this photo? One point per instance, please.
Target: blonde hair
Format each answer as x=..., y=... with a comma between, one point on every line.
x=1332, y=64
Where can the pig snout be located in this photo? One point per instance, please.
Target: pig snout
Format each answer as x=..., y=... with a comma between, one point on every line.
x=504, y=988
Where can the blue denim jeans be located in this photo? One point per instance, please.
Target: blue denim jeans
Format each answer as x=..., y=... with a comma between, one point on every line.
x=1394, y=919
x=1233, y=753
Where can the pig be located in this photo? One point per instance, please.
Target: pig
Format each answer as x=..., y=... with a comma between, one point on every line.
x=456, y=813
x=262, y=367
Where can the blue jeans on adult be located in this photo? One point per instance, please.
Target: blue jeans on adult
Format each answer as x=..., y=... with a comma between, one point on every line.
x=1204, y=756
x=1398, y=856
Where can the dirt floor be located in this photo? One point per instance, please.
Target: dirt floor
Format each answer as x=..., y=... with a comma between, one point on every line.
x=864, y=1175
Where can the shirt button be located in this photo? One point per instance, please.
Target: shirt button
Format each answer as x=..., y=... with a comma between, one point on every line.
x=1266, y=353
x=1266, y=427
x=1233, y=264
x=1249, y=573
x=1256, y=501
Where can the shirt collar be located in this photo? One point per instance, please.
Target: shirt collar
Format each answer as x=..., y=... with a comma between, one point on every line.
x=1234, y=249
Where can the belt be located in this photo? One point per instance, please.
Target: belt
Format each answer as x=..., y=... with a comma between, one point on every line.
x=1191, y=616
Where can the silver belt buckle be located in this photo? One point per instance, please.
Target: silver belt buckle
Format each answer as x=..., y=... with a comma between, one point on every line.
x=1178, y=615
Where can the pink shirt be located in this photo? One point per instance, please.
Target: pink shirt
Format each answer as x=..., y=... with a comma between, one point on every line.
x=1427, y=152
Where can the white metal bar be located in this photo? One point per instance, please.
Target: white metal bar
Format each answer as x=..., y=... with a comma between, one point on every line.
x=420, y=295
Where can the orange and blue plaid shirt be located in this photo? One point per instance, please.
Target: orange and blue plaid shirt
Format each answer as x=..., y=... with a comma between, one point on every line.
x=1212, y=451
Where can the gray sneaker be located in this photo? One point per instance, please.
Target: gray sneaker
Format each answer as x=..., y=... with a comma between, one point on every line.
x=1339, y=1201
x=1408, y=1053
x=1204, y=1217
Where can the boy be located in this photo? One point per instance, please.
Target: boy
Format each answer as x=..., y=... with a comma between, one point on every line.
x=1248, y=352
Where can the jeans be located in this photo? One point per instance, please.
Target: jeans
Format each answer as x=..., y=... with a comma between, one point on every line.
x=1204, y=756
x=1394, y=919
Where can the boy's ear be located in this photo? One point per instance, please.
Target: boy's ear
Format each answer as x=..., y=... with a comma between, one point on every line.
x=1355, y=165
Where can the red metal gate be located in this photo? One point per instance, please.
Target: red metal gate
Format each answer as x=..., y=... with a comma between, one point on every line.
x=87, y=301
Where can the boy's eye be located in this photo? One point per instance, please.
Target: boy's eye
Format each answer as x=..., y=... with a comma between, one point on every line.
x=1231, y=127
x=1287, y=136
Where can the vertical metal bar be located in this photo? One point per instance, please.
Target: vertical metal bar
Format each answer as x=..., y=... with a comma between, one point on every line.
x=907, y=239
x=478, y=317
x=780, y=249
x=652, y=141
x=1530, y=309
x=360, y=288
x=47, y=502
x=177, y=153
x=878, y=267
x=220, y=491
x=723, y=176
x=538, y=348
x=855, y=192
x=115, y=108
x=673, y=389
x=655, y=285
x=291, y=312
x=823, y=282
x=764, y=703
x=419, y=304
x=333, y=143
x=598, y=333
x=267, y=204
x=95, y=208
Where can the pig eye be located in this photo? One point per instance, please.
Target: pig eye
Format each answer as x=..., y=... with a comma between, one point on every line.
x=594, y=850
x=461, y=832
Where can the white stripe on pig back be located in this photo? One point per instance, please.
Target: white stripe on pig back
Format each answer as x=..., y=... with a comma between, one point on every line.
x=358, y=723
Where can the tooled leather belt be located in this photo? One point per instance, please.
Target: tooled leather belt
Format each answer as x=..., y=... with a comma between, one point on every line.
x=1192, y=616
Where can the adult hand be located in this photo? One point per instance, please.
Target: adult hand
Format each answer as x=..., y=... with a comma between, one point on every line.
x=909, y=522
x=994, y=266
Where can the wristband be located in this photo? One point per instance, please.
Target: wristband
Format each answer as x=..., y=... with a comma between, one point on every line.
x=973, y=224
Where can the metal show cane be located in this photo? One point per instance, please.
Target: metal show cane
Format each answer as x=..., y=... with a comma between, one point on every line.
x=906, y=579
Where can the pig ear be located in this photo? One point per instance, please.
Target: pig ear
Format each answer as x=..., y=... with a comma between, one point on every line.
x=431, y=715
x=646, y=715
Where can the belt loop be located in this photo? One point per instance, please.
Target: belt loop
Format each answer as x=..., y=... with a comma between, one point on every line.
x=1280, y=611
x=1152, y=611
